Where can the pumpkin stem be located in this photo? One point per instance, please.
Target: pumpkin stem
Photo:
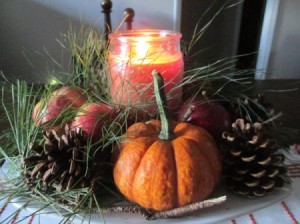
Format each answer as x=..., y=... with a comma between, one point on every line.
x=166, y=132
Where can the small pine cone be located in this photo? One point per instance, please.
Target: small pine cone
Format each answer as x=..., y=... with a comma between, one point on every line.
x=65, y=161
x=252, y=109
x=252, y=165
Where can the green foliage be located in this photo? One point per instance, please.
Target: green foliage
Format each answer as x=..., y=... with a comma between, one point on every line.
x=17, y=102
x=89, y=61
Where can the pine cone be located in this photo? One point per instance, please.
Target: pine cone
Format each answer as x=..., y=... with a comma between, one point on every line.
x=252, y=166
x=252, y=109
x=65, y=161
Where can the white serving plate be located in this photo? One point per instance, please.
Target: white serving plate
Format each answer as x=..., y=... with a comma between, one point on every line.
x=234, y=206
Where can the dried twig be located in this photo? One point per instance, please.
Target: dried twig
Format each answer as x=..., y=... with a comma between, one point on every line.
x=188, y=112
x=172, y=213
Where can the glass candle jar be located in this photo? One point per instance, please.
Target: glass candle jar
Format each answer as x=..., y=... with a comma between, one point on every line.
x=133, y=55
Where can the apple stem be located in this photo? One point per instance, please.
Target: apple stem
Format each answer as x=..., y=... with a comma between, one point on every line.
x=204, y=94
x=166, y=132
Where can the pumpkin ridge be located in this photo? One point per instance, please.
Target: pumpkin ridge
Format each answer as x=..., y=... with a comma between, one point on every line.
x=200, y=176
x=176, y=175
x=126, y=147
x=210, y=169
x=178, y=152
x=208, y=159
x=141, y=130
x=136, y=199
x=153, y=190
x=212, y=154
x=184, y=129
x=173, y=171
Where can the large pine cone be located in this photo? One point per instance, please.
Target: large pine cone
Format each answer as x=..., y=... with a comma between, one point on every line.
x=252, y=166
x=65, y=161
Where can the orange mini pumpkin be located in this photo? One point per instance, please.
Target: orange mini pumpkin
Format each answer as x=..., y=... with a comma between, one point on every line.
x=161, y=167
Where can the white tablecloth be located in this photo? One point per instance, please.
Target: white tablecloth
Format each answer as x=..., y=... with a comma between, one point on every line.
x=285, y=211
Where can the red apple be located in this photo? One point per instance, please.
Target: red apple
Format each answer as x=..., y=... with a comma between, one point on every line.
x=92, y=116
x=209, y=115
x=64, y=100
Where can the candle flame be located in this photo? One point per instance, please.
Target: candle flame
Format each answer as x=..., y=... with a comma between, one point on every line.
x=145, y=50
x=142, y=48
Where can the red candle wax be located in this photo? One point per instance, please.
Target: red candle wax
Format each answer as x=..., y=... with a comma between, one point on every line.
x=132, y=58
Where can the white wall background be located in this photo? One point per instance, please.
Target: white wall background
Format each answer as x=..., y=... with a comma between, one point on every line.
x=31, y=27
x=155, y=14
x=284, y=59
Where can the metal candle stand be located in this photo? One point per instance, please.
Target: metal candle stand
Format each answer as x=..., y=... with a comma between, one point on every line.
x=106, y=9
